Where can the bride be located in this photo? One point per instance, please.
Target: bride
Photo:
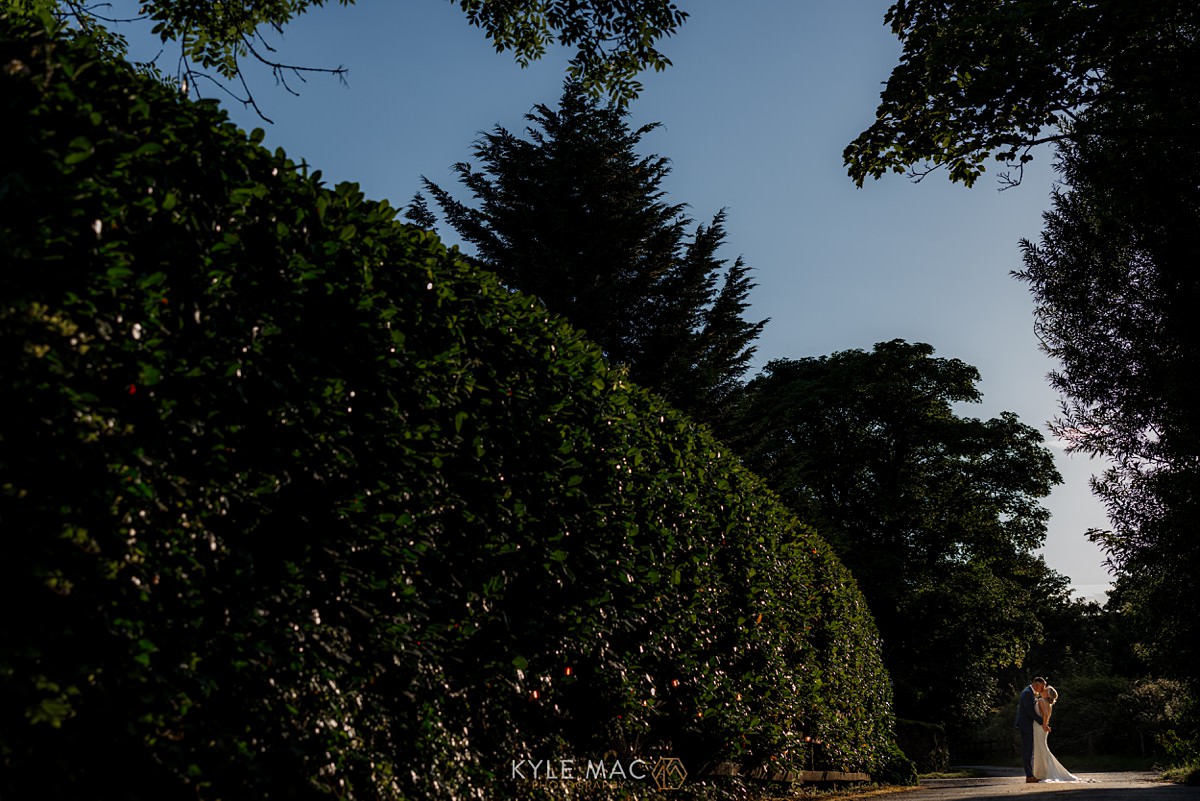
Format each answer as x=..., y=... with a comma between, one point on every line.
x=1045, y=767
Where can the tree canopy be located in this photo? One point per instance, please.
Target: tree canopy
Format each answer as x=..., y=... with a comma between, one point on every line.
x=613, y=41
x=936, y=515
x=1115, y=282
x=1113, y=84
x=988, y=80
x=575, y=216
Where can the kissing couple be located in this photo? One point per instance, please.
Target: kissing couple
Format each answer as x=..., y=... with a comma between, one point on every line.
x=1033, y=723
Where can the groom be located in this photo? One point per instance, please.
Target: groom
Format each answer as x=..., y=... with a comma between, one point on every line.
x=1026, y=716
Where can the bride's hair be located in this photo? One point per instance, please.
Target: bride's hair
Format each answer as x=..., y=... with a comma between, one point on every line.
x=1051, y=694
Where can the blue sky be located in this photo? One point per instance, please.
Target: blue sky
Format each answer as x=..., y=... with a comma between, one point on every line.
x=761, y=99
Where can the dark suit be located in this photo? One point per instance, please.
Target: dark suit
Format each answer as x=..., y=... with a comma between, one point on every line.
x=1026, y=716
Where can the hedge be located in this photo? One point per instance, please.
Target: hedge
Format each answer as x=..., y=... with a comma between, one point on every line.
x=296, y=503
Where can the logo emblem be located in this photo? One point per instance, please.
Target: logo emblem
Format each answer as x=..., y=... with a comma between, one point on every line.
x=669, y=773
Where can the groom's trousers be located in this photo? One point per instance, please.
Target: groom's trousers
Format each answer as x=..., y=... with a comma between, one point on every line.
x=1026, y=732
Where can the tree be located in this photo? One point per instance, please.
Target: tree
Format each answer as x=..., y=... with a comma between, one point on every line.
x=1114, y=85
x=936, y=515
x=614, y=41
x=573, y=215
x=1114, y=279
x=982, y=80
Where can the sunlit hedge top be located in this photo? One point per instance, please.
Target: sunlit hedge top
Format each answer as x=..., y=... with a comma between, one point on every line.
x=300, y=503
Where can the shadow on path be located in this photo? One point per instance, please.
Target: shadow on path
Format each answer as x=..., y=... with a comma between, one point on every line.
x=1009, y=782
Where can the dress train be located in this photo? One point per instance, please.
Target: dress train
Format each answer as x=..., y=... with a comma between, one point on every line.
x=1045, y=766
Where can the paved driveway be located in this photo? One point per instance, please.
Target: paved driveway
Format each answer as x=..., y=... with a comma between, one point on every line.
x=1135, y=786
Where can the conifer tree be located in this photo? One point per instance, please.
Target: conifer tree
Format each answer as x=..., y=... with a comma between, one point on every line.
x=573, y=215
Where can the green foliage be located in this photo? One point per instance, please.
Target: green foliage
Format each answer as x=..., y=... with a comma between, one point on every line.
x=1165, y=710
x=220, y=35
x=936, y=515
x=1114, y=279
x=297, y=503
x=988, y=80
x=1188, y=774
x=1113, y=276
x=1102, y=714
x=925, y=743
x=1110, y=705
x=573, y=215
x=1093, y=714
x=613, y=41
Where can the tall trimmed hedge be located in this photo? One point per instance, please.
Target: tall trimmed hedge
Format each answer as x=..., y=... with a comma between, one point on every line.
x=296, y=503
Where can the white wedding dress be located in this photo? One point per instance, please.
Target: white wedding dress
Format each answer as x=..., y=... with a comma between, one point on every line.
x=1045, y=767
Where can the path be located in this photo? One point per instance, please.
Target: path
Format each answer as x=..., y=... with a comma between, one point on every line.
x=1010, y=783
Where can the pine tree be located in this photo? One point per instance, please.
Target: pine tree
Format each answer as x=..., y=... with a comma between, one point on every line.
x=573, y=215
